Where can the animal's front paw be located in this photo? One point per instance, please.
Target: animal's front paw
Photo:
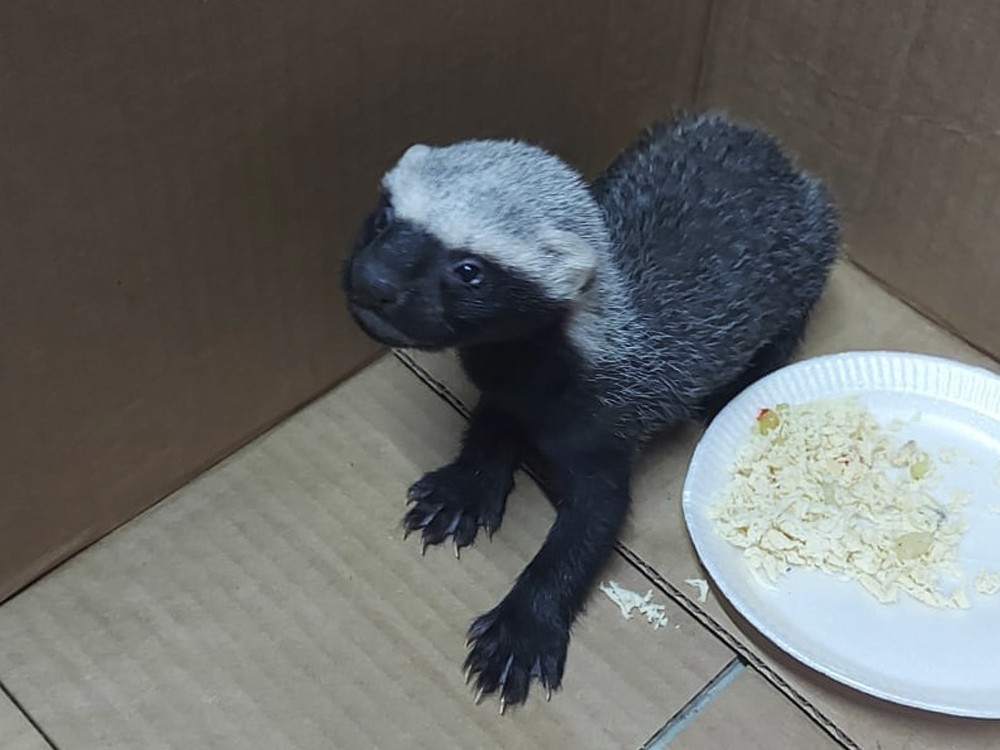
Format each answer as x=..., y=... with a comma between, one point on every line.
x=457, y=501
x=513, y=644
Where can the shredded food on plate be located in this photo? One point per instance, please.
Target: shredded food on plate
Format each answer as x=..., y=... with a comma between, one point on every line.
x=987, y=582
x=822, y=486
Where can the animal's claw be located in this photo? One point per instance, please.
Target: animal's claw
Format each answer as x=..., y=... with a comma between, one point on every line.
x=513, y=645
x=456, y=501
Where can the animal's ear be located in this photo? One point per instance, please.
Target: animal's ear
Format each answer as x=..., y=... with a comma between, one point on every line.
x=574, y=261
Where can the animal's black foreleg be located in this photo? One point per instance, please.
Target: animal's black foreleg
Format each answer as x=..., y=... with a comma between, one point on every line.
x=527, y=634
x=471, y=492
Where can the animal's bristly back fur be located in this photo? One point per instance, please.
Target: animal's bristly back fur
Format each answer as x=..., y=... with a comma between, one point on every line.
x=720, y=245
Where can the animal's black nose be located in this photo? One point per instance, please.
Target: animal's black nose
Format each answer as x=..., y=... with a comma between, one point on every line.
x=373, y=286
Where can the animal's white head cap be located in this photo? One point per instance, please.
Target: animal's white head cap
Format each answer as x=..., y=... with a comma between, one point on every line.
x=507, y=201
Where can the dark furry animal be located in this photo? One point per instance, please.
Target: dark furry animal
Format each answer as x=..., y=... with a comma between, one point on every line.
x=591, y=318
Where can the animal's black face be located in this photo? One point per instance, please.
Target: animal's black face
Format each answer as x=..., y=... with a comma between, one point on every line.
x=406, y=289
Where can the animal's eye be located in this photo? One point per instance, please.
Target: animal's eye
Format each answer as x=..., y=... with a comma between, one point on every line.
x=383, y=218
x=469, y=272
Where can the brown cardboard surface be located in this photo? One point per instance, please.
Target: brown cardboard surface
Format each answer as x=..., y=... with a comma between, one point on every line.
x=870, y=722
x=652, y=55
x=893, y=104
x=16, y=732
x=751, y=715
x=181, y=180
x=856, y=313
x=272, y=603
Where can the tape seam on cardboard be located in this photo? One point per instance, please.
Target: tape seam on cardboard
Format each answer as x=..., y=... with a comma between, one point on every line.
x=727, y=638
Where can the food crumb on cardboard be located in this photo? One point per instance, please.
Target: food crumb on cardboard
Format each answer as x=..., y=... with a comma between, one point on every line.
x=988, y=582
x=628, y=601
x=702, y=585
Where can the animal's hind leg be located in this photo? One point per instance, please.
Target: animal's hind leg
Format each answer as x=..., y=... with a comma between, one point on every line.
x=774, y=354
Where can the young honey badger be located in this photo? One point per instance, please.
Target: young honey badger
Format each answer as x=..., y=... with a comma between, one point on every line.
x=590, y=317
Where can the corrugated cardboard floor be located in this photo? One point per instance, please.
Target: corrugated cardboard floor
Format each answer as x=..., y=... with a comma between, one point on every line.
x=273, y=604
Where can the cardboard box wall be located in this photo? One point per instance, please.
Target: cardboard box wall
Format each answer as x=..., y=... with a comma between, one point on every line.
x=180, y=182
x=897, y=106
x=241, y=611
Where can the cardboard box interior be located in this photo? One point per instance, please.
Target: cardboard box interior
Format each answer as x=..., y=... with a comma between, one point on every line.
x=180, y=184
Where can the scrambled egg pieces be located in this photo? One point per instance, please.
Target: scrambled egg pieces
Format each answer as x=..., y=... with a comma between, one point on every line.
x=627, y=601
x=987, y=582
x=821, y=486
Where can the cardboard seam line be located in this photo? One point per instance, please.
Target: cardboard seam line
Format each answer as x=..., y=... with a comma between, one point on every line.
x=689, y=711
x=752, y=660
x=665, y=587
x=701, y=75
x=71, y=550
x=5, y=692
x=924, y=311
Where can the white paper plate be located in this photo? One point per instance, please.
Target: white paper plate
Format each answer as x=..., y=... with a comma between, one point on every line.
x=907, y=652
